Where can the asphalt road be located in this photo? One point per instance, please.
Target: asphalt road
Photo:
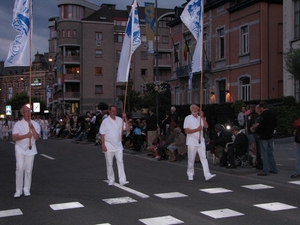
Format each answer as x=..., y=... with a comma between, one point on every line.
x=69, y=187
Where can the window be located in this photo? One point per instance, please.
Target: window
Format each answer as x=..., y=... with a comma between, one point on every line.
x=144, y=55
x=63, y=33
x=245, y=88
x=119, y=91
x=205, y=33
x=118, y=37
x=120, y=23
x=244, y=40
x=176, y=54
x=144, y=72
x=189, y=95
x=221, y=44
x=118, y=55
x=98, y=89
x=71, y=12
x=98, y=38
x=99, y=53
x=177, y=96
x=68, y=33
x=297, y=19
x=74, y=35
x=98, y=71
x=164, y=21
x=165, y=39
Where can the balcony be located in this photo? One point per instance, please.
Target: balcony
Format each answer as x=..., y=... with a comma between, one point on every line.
x=183, y=71
x=71, y=77
x=67, y=96
x=163, y=63
x=72, y=59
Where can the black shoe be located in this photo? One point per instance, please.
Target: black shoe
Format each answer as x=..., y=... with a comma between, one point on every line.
x=231, y=167
x=295, y=176
x=261, y=174
x=273, y=172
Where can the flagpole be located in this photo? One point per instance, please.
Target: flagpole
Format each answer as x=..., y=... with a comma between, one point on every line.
x=30, y=60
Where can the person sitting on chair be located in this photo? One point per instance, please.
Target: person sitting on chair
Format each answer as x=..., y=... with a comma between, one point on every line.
x=239, y=146
x=218, y=143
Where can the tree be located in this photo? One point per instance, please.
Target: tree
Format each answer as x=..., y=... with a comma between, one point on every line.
x=20, y=99
x=133, y=98
x=292, y=62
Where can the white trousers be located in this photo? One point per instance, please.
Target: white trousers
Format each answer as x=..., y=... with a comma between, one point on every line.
x=192, y=151
x=109, y=156
x=45, y=133
x=24, y=165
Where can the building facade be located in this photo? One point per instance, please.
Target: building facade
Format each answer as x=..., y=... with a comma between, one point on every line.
x=291, y=39
x=242, y=57
x=85, y=44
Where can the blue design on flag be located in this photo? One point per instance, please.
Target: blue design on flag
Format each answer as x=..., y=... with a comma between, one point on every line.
x=18, y=54
x=192, y=17
x=132, y=40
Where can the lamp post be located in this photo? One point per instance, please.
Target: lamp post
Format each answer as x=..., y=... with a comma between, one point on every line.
x=156, y=58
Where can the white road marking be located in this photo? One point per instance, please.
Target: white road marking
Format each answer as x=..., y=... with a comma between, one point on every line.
x=171, y=195
x=10, y=212
x=122, y=200
x=215, y=190
x=163, y=220
x=257, y=186
x=275, y=206
x=295, y=182
x=68, y=205
x=221, y=213
x=130, y=190
x=46, y=156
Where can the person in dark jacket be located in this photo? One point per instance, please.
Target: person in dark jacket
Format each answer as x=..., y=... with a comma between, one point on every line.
x=239, y=146
x=265, y=129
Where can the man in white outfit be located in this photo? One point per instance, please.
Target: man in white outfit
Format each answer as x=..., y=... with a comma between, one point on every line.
x=25, y=133
x=111, y=130
x=193, y=126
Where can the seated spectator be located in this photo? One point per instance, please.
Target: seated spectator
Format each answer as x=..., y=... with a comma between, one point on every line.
x=158, y=146
x=178, y=144
x=239, y=146
x=218, y=144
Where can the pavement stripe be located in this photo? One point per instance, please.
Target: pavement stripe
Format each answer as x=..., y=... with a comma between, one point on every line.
x=257, y=186
x=10, y=212
x=122, y=200
x=221, y=213
x=170, y=195
x=163, y=220
x=275, y=206
x=130, y=190
x=68, y=205
x=215, y=190
x=46, y=156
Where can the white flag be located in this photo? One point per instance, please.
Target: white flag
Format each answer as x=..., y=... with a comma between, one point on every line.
x=19, y=50
x=192, y=17
x=132, y=40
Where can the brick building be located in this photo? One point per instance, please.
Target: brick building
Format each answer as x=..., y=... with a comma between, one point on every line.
x=242, y=53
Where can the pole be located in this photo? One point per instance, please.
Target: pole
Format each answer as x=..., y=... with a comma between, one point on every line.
x=30, y=69
x=156, y=57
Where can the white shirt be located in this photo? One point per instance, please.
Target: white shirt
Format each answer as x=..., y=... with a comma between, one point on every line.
x=111, y=129
x=192, y=123
x=22, y=146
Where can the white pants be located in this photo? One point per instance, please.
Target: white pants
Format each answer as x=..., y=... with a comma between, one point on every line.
x=24, y=164
x=109, y=156
x=192, y=151
x=45, y=133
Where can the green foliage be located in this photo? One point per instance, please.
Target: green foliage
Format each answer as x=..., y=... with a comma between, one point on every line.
x=292, y=62
x=102, y=106
x=20, y=99
x=237, y=105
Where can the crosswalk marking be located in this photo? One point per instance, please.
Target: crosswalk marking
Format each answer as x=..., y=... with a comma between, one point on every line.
x=68, y=205
x=10, y=212
x=275, y=206
x=221, y=213
x=122, y=200
x=215, y=190
x=257, y=186
x=46, y=156
x=163, y=220
x=171, y=195
x=130, y=190
x=295, y=182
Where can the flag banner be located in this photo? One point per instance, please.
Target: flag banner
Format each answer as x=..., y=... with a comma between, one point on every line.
x=149, y=22
x=19, y=49
x=9, y=92
x=48, y=94
x=132, y=40
x=192, y=17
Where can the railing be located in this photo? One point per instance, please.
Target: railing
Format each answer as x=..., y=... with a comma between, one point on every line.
x=163, y=62
x=72, y=58
x=71, y=77
x=68, y=95
x=184, y=71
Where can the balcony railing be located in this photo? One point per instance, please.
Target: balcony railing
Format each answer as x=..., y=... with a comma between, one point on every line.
x=66, y=95
x=72, y=58
x=71, y=77
x=163, y=63
x=184, y=71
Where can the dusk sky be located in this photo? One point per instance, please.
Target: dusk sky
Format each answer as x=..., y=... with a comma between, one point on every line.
x=45, y=9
